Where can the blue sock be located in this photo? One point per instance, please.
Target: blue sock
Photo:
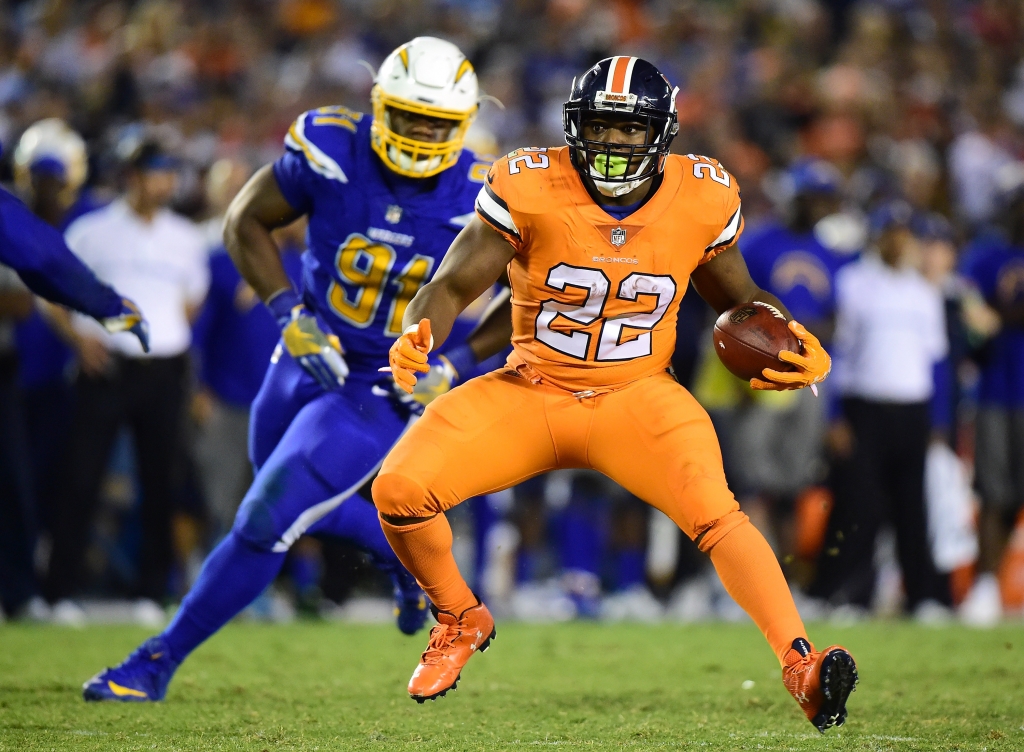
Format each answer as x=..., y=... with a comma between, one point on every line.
x=235, y=573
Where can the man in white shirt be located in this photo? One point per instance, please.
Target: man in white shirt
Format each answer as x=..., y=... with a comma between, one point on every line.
x=890, y=333
x=158, y=259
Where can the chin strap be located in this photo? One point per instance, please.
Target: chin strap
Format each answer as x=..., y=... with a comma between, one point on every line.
x=614, y=190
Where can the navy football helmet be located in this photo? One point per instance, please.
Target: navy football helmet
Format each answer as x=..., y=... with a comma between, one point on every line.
x=626, y=86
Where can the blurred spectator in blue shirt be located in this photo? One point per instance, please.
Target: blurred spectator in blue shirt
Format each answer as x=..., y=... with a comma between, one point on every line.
x=796, y=260
x=994, y=263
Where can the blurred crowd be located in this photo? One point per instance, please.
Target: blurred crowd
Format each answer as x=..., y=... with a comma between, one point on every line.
x=879, y=147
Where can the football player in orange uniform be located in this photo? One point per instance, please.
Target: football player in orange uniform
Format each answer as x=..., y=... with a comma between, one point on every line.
x=600, y=239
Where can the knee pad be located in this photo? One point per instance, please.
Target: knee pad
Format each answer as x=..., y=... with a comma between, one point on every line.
x=255, y=522
x=711, y=534
x=397, y=496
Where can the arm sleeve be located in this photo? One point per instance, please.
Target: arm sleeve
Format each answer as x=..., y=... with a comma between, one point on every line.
x=47, y=266
x=492, y=204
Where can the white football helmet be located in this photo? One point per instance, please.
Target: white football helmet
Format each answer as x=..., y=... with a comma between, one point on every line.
x=51, y=139
x=431, y=77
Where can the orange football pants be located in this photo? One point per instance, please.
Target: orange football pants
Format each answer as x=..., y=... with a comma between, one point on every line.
x=651, y=437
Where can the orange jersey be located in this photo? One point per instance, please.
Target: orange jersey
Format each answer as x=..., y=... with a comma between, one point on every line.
x=595, y=300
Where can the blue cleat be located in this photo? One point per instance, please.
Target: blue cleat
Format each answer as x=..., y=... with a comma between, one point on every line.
x=411, y=604
x=143, y=677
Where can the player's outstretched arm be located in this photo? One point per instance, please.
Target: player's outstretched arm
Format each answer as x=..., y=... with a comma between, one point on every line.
x=474, y=262
x=257, y=209
x=41, y=257
x=724, y=282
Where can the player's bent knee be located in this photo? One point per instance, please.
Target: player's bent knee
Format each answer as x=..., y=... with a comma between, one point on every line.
x=254, y=526
x=395, y=495
x=713, y=533
x=255, y=522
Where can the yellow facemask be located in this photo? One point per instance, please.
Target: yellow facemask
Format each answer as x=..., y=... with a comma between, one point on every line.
x=407, y=156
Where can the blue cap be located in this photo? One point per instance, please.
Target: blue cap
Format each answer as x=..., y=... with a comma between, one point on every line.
x=932, y=226
x=815, y=176
x=48, y=166
x=896, y=213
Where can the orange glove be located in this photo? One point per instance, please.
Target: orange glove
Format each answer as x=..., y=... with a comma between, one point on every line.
x=408, y=355
x=813, y=365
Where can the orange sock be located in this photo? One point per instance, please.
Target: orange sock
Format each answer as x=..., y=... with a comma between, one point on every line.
x=751, y=574
x=425, y=548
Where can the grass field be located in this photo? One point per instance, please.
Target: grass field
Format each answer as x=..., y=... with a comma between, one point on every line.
x=572, y=686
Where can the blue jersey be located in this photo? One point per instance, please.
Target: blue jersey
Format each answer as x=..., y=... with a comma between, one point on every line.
x=374, y=237
x=997, y=268
x=795, y=268
x=235, y=335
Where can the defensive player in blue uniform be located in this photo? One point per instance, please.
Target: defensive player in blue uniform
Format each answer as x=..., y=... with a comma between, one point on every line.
x=385, y=197
x=37, y=252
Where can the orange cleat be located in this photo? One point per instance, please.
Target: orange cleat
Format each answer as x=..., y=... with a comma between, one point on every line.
x=452, y=643
x=820, y=682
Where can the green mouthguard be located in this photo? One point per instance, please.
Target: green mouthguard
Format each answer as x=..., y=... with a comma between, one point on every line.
x=616, y=166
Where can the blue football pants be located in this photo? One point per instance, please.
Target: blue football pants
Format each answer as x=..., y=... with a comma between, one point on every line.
x=311, y=451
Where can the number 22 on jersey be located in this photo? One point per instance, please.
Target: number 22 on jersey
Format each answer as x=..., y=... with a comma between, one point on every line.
x=611, y=346
x=365, y=266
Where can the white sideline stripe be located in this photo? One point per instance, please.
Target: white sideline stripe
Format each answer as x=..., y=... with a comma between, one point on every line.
x=494, y=210
x=317, y=512
x=320, y=163
x=729, y=232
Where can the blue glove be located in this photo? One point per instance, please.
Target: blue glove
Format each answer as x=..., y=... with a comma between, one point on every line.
x=129, y=319
x=443, y=376
x=319, y=353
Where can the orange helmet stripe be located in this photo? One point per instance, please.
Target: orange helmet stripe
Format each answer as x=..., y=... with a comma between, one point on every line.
x=618, y=75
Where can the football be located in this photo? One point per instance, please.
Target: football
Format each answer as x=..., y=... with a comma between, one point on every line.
x=749, y=337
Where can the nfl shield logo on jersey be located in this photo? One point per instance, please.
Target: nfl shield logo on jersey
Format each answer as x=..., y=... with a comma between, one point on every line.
x=618, y=237
x=393, y=215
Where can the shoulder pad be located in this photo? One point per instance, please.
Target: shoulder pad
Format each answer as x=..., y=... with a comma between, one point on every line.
x=527, y=176
x=701, y=167
x=324, y=136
